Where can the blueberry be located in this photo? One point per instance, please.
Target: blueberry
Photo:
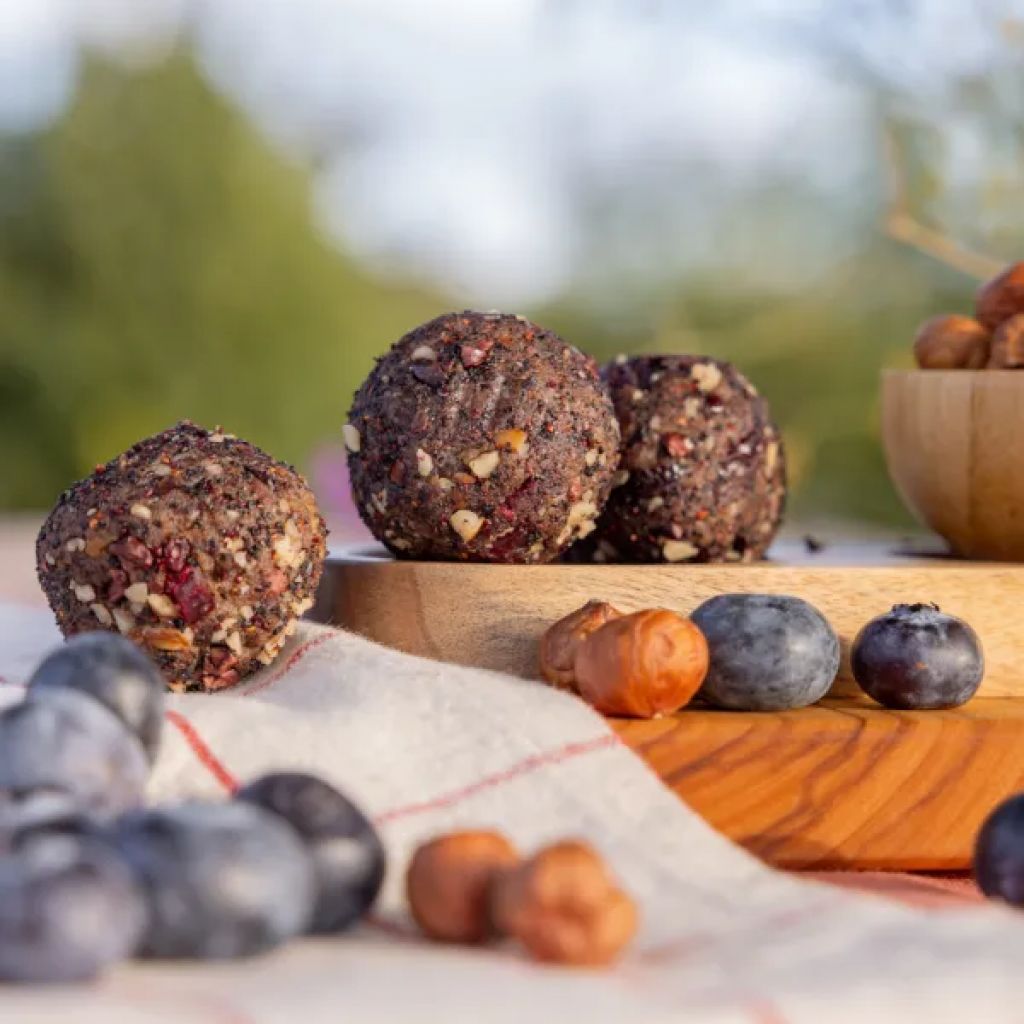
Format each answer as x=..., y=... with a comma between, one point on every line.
x=68, y=908
x=917, y=657
x=768, y=652
x=999, y=853
x=348, y=856
x=46, y=814
x=116, y=673
x=221, y=880
x=65, y=744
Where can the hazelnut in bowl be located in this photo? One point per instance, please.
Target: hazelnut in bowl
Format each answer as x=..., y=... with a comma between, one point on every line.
x=952, y=428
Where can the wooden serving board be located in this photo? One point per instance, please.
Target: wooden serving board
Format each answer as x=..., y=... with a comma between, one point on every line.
x=844, y=783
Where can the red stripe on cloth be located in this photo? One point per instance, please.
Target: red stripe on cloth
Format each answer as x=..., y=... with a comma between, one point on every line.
x=524, y=767
x=293, y=659
x=204, y=754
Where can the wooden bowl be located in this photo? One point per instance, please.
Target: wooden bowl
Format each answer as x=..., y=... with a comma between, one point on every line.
x=954, y=444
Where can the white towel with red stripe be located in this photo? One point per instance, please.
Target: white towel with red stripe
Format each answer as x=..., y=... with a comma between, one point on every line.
x=427, y=747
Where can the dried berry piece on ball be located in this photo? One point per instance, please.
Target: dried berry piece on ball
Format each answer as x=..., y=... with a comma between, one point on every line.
x=563, y=906
x=999, y=853
x=348, y=856
x=1002, y=297
x=220, y=880
x=769, y=652
x=917, y=657
x=196, y=546
x=642, y=665
x=449, y=880
x=117, y=674
x=560, y=642
x=951, y=343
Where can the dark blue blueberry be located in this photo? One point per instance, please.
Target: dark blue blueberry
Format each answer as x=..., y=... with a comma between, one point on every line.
x=999, y=853
x=221, y=880
x=916, y=657
x=116, y=673
x=348, y=856
x=768, y=652
x=46, y=814
x=68, y=908
x=65, y=744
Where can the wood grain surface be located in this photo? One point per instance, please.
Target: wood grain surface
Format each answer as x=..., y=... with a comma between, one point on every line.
x=843, y=784
x=952, y=445
x=490, y=616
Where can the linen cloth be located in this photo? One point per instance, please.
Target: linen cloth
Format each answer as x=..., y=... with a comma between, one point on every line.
x=427, y=747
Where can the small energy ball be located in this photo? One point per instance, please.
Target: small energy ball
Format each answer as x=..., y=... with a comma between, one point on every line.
x=916, y=657
x=768, y=652
x=481, y=437
x=200, y=548
x=704, y=469
x=999, y=853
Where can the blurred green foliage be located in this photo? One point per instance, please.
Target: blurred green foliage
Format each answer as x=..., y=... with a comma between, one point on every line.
x=159, y=260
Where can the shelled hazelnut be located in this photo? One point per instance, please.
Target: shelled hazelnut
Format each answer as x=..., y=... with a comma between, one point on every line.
x=951, y=342
x=560, y=642
x=1008, y=344
x=563, y=907
x=641, y=665
x=448, y=884
x=1002, y=297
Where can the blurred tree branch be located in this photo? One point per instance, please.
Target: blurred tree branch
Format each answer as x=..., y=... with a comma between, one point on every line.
x=900, y=224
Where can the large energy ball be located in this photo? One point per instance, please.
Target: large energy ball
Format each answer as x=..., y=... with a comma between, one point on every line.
x=481, y=437
x=706, y=471
x=197, y=546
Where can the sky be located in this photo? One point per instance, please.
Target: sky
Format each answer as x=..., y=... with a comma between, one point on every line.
x=465, y=141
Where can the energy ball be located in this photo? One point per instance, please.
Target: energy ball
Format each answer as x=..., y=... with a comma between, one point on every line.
x=481, y=437
x=200, y=548
x=704, y=469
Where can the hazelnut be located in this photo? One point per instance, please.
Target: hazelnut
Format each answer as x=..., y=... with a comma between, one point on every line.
x=559, y=642
x=1008, y=344
x=641, y=665
x=1002, y=297
x=951, y=343
x=563, y=907
x=448, y=884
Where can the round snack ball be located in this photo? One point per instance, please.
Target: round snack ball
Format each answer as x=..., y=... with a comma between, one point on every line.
x=481, y=437
x=916, y=657
x=768, y=652
x=200, y=548
x=704, y=469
